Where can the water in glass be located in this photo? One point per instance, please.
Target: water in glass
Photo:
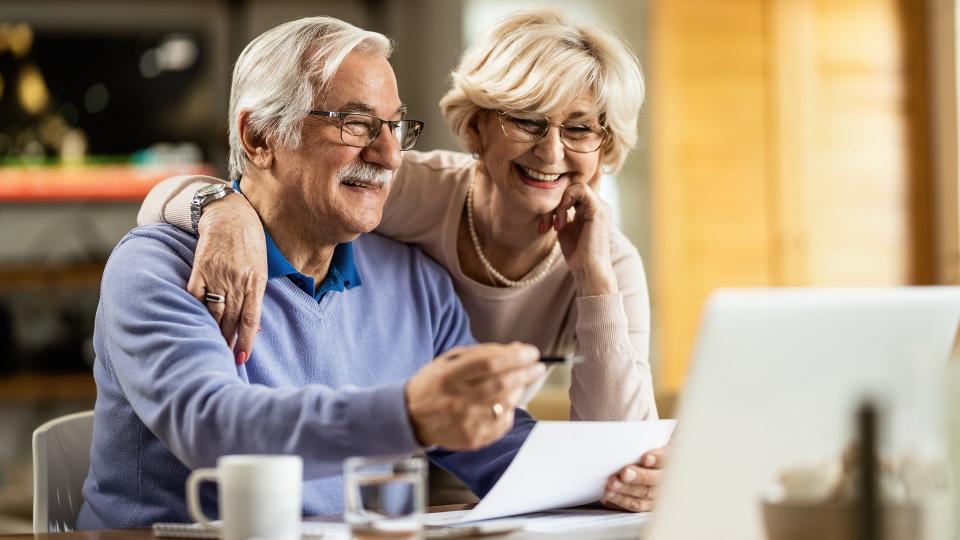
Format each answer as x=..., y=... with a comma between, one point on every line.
x=384, y=496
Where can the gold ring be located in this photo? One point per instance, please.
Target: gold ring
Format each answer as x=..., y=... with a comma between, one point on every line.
x=497, y=410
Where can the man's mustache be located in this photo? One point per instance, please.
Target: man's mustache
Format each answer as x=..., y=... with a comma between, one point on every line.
x=367, y=173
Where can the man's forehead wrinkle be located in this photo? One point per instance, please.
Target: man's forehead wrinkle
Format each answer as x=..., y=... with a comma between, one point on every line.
x=356, y=106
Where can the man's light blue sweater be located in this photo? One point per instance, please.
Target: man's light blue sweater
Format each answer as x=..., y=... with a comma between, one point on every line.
x=325, y=380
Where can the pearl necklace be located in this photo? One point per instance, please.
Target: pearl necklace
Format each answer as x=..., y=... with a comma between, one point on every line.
x=550, y=260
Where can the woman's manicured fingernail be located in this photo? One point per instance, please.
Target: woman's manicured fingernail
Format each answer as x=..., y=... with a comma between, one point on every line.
x=629, y=475
x=241, y=357
x=650, y=461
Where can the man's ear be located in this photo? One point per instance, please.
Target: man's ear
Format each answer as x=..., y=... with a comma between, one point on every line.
x=255, y=146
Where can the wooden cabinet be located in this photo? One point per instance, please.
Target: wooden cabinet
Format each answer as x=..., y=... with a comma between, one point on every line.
x=42, y=387
x=70, y=281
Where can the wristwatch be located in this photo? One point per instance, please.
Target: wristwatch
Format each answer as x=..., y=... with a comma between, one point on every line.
x=203, y=197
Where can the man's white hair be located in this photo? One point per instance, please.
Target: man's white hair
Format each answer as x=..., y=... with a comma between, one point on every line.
x=279, y=74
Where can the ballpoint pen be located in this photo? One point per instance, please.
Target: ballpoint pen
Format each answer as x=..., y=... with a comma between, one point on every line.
x=568, y=359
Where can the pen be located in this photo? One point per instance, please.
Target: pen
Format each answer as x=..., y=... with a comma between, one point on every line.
x=569, y=359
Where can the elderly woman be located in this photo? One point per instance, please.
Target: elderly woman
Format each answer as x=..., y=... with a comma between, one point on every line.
x=543, y=106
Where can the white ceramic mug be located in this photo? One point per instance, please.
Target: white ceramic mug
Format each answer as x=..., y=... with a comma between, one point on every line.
x=259, y=496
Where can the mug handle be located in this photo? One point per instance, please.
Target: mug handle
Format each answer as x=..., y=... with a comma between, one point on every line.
x=193, y=495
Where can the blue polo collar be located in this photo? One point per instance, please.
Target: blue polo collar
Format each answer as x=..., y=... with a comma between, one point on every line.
x=342, y=274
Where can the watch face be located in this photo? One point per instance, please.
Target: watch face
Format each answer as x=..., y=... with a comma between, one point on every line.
x=209, y=190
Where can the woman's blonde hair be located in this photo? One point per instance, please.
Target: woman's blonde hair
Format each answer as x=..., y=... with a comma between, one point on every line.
x=540, y=60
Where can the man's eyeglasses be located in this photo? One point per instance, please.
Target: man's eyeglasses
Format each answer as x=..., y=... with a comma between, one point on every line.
x=360, y=130
x=525, y=126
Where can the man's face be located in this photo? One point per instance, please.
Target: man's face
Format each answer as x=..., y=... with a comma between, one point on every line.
x=341, y=203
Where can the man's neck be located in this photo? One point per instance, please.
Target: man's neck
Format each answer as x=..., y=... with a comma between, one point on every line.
x=303, y=243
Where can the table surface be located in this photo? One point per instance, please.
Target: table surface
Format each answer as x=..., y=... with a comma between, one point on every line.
x=620, y=532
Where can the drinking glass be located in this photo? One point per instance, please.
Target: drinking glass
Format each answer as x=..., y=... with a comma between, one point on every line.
x=384, y=496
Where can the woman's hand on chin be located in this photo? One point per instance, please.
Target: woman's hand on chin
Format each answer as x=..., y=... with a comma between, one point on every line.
x=585, y=239
x=231, y=261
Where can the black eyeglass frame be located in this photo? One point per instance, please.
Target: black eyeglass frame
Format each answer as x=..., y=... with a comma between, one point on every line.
x=416, y=127
x=507, y=116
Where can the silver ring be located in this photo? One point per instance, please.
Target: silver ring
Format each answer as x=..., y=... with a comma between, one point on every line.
x=497, y=409
x=214, y=298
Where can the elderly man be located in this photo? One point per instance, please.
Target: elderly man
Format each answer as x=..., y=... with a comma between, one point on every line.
x=350, y=322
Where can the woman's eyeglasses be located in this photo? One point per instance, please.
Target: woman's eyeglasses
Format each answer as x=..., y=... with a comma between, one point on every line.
x=360, y=130
x=526, y=127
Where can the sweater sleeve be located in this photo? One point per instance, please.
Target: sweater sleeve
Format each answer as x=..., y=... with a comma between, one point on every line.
x=480, y=469
x=613, y=334
x=169, y=201
x=166, y=354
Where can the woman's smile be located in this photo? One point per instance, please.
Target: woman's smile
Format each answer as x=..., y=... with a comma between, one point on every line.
x=541, y=180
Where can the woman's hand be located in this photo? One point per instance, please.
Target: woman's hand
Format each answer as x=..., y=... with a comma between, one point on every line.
x=585, y=240
x=231, y=260
x=634, y=487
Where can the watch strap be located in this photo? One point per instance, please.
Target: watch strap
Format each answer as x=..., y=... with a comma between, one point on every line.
x=203, y=197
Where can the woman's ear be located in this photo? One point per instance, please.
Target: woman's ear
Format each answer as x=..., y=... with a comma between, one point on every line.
x=255, y=145
x=472, y=134
x=602, y=169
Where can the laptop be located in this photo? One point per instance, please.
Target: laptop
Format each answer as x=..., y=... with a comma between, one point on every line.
x=776, y=377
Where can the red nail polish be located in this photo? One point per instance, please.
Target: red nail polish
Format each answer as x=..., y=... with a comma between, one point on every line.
x=241, y=357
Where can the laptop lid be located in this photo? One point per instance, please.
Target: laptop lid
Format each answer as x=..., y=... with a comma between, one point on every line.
x=775, y=380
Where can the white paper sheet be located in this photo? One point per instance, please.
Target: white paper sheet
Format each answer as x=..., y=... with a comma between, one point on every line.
x=564, y=464
x=553, y=521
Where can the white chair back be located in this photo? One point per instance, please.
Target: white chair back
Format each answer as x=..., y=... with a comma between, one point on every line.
x=61, y=459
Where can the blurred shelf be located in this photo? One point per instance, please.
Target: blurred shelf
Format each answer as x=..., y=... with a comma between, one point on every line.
x=47, y=387
x=80, y=276
x=68, y=183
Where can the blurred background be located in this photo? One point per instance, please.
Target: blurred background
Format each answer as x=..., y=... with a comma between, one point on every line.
x=783, y=143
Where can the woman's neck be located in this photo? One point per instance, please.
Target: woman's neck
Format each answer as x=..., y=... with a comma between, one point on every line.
x=508, y=236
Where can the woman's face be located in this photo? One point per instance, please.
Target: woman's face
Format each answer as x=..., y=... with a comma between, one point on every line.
x=535, y=174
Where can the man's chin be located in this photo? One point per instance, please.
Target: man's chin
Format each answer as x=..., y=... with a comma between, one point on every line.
x=361, y=225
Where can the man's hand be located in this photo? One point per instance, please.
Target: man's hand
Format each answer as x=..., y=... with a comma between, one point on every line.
x=634, y=487
x=231, y=260
x=465, y=399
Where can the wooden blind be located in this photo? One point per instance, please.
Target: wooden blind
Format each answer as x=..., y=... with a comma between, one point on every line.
x=788, y=148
